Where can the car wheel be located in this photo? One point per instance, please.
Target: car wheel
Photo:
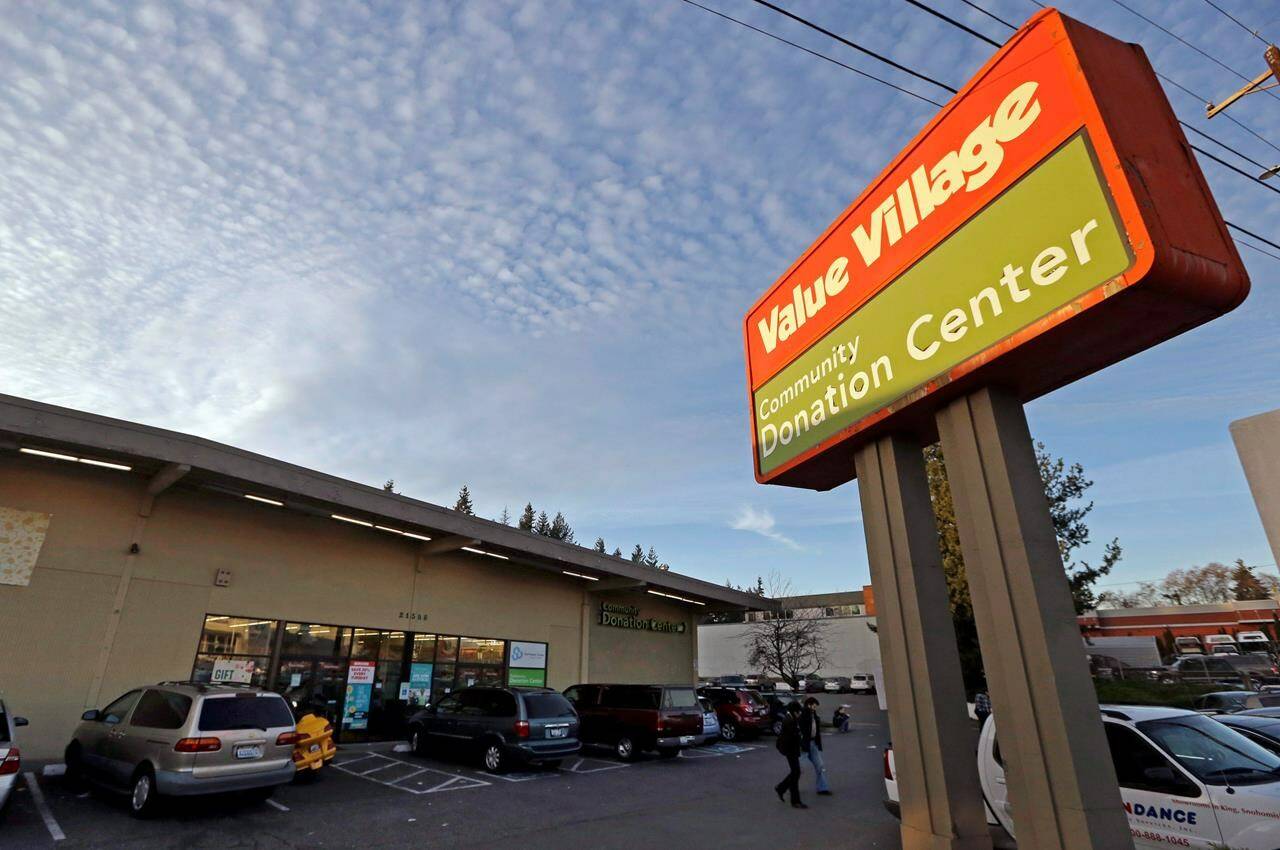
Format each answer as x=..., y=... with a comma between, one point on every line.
x=494, y=757
x=729, y=731
x=143, y=798
x=418, y=742
x=777, y=727
x=625, y=748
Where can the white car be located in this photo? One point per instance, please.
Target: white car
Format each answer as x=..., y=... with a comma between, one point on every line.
x=862, y=683
x=10, y=757
x=1185, y=780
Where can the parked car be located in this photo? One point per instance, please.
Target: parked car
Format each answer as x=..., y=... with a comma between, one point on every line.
x=501, y=726
x=836, y=684
x=778, y=709
x=862, y=683
x=185, y=738
x=1254, y=642
x=730, y=681
x=1186, y=780
x=636, y=718
x=1222, y=702
x=1188, y=645
x=1202, y=669
x=1261, y=729
x=10, y=756
x=1220, y=645
x=813, y=684
x=742, y=712
x=710, y=722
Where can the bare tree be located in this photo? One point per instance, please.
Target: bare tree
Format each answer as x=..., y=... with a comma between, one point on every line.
x=786, y=643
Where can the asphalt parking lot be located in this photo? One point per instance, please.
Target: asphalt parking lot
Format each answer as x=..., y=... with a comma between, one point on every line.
x=383, y=798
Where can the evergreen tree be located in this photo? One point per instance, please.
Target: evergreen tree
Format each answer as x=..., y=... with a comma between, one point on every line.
x=617, y=553
x=543, y=525
x=526, y=518
x=759, y=588
x=560, y=529
x=651, y=560
x=1244, y=584
x=464, y=505
x=599, y=547
x=637, y=554
x=505, y=519
x=390, y=486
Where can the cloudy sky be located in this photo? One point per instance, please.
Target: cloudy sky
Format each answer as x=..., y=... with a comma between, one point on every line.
x=511, y=244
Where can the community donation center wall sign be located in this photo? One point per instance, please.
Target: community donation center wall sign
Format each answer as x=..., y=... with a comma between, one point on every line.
x=1049, y=221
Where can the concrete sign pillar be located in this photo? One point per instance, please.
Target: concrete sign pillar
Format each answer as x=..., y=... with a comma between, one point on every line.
x=1062, y=785
x=933, y=740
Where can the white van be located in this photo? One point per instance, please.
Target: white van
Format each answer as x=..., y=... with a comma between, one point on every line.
x=1220, y=645
x=1188, y=645
x=1253, y=642
x=1186, y=780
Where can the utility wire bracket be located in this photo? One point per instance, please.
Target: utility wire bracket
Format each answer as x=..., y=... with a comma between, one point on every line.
x=1272, y=57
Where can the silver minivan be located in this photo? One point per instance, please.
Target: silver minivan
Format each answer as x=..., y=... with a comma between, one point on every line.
x=185, y=738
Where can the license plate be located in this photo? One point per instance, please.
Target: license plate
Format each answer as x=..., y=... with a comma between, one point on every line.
x=249, y=751
x=686, y=739
x=557, y=732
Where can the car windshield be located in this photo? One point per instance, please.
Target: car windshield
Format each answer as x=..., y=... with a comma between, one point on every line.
x=1213, y=753
x=542, y=706
x=221, y=714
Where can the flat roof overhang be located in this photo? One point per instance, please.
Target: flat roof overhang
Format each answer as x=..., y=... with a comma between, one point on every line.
x=193, y=461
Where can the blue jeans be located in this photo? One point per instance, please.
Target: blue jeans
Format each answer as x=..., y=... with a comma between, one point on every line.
x=815, y=756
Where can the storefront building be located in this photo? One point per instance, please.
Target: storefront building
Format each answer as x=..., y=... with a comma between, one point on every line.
x=131, y=555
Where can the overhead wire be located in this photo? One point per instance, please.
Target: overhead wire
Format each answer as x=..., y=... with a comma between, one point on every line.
x=1237, y=22
x=1179, y=38
x=886, y=60
x=863, y=73
x=932, y=11
x=990, y=15
x=847, y=43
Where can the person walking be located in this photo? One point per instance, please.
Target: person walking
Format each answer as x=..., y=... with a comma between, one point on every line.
x=981, y=708
x=811, y=742
x=789, y=745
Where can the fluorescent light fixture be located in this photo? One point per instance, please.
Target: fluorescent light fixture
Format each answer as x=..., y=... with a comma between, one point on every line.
x=496, y=555
x=415, y=536
x=580, y=575
x=473, y=551
x=53, y=455
x=387, y=528
x=90, y=461
x=107, y=464
x=679, y=598
x=351, y=520
x=264, y=500
x=247, y=625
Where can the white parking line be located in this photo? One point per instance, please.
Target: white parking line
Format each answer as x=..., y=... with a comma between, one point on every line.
x=282, y=807
x=47, y=816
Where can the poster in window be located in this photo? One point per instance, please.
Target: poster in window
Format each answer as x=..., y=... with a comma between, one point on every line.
x=355, y=714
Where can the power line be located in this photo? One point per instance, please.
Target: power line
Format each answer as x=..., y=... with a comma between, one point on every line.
x=846, y=42
x=993, y=17
x=1239, y=171
x=953, y=22
x=1251, y=234
x=1225, y=115
x=1174, y=35
x=1200, y=132
x=1237, y=22
x=813, y=53
x=1240, y=241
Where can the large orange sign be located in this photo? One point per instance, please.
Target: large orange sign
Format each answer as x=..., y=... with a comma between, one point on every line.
x=999, y=246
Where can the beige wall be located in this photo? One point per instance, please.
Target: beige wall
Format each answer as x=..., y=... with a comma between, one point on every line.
x=631, y=656
x=1257, y=440
x=284, y=565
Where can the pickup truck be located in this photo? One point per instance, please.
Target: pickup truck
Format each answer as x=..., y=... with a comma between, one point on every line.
x=1186, y=780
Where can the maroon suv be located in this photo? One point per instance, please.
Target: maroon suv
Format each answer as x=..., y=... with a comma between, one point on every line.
x=632, y=718
x=741, y=711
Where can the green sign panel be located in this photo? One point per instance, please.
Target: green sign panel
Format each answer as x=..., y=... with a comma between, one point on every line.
x=518, y=677
x=1049, y=239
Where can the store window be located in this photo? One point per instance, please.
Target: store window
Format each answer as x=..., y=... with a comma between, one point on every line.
x=481, y=651
x=234, y=649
